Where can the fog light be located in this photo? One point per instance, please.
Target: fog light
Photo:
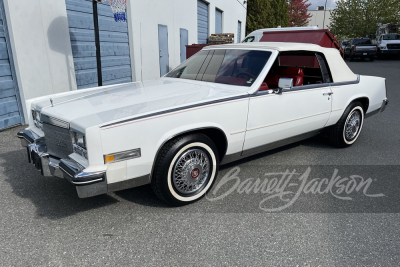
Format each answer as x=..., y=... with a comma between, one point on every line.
x=130, y=154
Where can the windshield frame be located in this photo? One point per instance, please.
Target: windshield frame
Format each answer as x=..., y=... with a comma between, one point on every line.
x=256, y=84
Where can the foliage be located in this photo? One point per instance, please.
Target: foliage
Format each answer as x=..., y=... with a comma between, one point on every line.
x=266, y=14
x=298, y=12
x=359, y=18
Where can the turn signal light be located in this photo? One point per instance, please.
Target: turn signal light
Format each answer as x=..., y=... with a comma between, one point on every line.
x=130, y=154
x=109, y=158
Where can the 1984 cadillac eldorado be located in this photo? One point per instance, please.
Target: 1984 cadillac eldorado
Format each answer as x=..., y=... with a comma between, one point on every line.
x=225, y=103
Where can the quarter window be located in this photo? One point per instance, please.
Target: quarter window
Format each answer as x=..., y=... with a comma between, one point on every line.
x=305, y=68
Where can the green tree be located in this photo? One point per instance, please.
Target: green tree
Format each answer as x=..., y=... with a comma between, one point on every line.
x=359, y=18
x=266, y=14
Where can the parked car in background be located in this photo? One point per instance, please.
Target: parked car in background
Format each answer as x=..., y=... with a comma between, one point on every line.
x=360, y=48
x=388, y=44
x=225, y=103
x=344, y=44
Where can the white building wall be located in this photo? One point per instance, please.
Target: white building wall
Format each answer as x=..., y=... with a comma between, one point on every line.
x=41, y=47
x=317, y=18
x=145, y=16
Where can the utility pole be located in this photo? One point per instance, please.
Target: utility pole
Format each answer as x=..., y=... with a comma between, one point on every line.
x=323, y=27
x=97, y=43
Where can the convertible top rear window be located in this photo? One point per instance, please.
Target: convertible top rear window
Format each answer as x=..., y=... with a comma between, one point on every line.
x=230, y=66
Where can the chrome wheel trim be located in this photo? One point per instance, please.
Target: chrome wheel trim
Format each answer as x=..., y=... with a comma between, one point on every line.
x=191, y=171
x=353, y=124
x=210, y=180
x=351, y=130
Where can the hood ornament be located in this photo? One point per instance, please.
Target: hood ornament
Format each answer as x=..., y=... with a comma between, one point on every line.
x=51, y=101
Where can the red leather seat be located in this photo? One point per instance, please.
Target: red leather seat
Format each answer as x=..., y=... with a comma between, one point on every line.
x=294, y=73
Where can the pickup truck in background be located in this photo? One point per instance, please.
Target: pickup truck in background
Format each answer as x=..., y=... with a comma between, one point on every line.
x=388, y=44
x=360, y=48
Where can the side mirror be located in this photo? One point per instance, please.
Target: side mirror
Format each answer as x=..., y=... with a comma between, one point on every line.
x=285, y=83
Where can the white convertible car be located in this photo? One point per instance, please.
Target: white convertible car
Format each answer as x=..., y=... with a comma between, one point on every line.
x=225, y=103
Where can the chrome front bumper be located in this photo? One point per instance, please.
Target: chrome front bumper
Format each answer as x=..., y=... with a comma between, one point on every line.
x=87, y=184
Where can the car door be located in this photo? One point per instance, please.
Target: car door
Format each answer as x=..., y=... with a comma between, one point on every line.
x=291, y=116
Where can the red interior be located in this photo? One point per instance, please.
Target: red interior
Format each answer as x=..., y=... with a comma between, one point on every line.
x=294, y=73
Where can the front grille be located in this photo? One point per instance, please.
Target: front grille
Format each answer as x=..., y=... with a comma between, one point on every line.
x=393, y=46
x=58, y=141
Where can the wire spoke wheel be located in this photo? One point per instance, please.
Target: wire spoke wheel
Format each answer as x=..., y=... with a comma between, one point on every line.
x=353, y=125
x=191, y=171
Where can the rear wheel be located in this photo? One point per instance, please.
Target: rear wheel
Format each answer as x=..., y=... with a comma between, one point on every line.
x=351, y=58
x=185, y=169
x=348, y=129
x=371, y=59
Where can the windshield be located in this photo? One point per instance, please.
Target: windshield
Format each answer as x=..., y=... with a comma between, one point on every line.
x=361, y=41
x=234, y=67
x=249, y=39
x=391, y=37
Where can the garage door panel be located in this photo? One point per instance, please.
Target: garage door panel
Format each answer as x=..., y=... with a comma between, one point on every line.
x=202, y=22
x=114, y=44
x=82, y=35
x=85, y=6
x=114, y=61
x=114, y=47
x=80, y=20
x=6, y=82
x=9, y=119
x=85, y=77
x=85, y=63
x=115, y=37
x=115, y=73
x=10, y=113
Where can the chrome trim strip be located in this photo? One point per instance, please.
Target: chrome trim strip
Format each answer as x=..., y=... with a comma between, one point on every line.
x=307, y=87
x=177, y=109
x=346, y=83
x=131, y=183
x=53, y=121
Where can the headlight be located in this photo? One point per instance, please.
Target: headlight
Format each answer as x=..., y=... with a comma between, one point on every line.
x=79, y=139
x=79, y=144
x=36, y=119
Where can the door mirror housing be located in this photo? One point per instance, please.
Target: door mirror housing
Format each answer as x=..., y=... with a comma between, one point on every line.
x=285, y=83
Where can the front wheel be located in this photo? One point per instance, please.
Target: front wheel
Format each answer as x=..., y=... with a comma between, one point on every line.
x=348, y=129
x=185, y=169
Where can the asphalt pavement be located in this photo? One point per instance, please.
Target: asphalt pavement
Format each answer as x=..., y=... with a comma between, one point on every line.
x=44, y=223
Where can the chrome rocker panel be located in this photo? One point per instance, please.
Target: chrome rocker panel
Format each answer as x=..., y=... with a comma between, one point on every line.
x=87, y=184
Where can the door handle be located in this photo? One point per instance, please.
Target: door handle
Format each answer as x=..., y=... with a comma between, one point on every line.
x=328, y=94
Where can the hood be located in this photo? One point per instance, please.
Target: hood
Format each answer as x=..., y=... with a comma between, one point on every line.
x=87, y=108
x=390, y=42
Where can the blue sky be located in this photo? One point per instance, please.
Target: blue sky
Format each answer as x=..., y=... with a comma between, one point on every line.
x=314, y=3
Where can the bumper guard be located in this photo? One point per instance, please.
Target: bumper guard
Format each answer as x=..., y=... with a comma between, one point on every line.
x=87, y=184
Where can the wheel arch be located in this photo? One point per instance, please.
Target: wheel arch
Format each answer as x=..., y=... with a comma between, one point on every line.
x=364, y=100
x=216, y=134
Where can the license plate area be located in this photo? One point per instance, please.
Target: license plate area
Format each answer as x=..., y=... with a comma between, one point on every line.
x=364, y=54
